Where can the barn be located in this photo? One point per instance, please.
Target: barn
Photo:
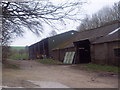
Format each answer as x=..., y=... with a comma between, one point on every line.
x=43, y=48
x=99, y=45
x=106, y=50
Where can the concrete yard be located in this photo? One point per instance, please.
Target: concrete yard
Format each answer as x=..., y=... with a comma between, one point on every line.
x=36, y=75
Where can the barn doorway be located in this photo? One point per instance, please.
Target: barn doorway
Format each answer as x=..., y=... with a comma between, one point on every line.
x=82, y=51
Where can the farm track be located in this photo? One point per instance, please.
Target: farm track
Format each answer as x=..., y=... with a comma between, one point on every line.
x=66, y=75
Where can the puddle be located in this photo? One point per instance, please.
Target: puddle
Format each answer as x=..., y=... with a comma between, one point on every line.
x=9, y=87
x=48, y=84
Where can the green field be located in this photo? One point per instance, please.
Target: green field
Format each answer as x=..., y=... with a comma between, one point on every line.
x=19, y=56
x=18, y=52
x=17, y=47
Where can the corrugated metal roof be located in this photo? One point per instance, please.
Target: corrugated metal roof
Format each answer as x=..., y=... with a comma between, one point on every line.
x=72, y=32
x=110, y=37
x=97, y=35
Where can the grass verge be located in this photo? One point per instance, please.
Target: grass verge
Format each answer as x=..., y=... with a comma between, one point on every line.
x=49, y=61
x=89, y=66
x=101, y=67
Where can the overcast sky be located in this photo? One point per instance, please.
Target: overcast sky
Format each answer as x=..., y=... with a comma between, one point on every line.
x=29, y=38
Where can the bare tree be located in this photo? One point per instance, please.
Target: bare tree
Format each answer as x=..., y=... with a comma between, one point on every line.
x=103, y=16
x=34, y=14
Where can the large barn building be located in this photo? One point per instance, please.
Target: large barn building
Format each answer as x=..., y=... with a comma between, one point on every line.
x=43, y=48
x=99, y=45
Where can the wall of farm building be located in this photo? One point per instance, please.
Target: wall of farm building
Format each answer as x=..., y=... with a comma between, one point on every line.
x=31, y=52
x=55, y=54
x=104, y=53
x=39, y=49
x=59, y=54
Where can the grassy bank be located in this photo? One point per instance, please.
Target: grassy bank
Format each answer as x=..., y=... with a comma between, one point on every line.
x=101, y=67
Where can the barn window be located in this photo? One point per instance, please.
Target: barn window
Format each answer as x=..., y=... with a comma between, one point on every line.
x=117, y=52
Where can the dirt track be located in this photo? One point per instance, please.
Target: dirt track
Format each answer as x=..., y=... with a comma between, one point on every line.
x=68, y=75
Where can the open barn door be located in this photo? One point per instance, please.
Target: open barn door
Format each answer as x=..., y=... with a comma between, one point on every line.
x=82, y=51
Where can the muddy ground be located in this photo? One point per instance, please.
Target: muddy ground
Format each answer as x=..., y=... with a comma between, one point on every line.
x=33, y=74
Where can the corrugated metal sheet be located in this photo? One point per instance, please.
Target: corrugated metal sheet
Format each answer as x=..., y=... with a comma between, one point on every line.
x=69, y=56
